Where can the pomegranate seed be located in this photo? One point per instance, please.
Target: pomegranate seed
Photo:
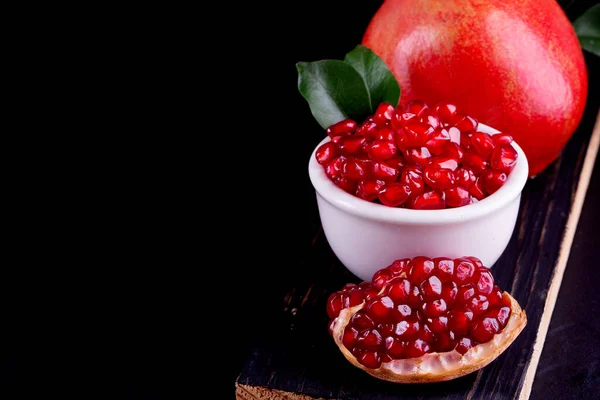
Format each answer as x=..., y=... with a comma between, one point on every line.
x=444, y=162
x=344, y=127
x=380, y=309
x=438, y=178
x=353, y=169
x=370, y=339
x=429, y=118
x=438, y=324
x=485, y=330
x=380, y=278
x=475, y=161
x=457, y=197
x=399, y=266
x=352, y=145
x=417, y=348
x=407, y=329
x=465, y=293
x=478, y=304
x=502, y=138
x=477, y=190
x=396, y=163
x=437, y=141
x=369, y=190
x=476, y=261
x=386, y=329
x=368, y=129
x=485, y=282
x=454, y=135
x=385, y=133
x=394, y=194
x=460, y=321
x=362, y=321
x=449, y=292
x=422, y=268
x=350, y=337
x=399, y=290
x=446, y=112
x=352, y=298
x=495, y=298
x=454, y=151
x=465, y=177
x=399, y=120
x=483, y=144
x=384, y=113
x=431, y=288
x=401, y=140
x=445, y=342
x=327, y=152
x=415, y=107
x=501, y=315
x=346, y=184
x=466, y=124
x=504, y=158
x=445, y=268
x=434, y=308
x=413, y=178
x=383, y=172
x=464, y=344
x=394, y=347
x=370, y=359
x=433, y=200
x=333, y=169
x=334, y=305
x=382, y=150
x=492, y=181
x=463, y=270
x=418, y=155
x=417, y=133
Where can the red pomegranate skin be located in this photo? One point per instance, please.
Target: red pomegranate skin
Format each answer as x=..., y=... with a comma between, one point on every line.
x=515, y=65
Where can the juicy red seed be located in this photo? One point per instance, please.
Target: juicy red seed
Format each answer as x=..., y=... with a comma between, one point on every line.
x=485, y=282
x=495, y=298
x=334, y=305
x=437, y=141
x=466, y=124
x=464, y=344
x=413, y=178
x=438, y=324
x=384, y=113
x=417, y=348
x=383, y=172
x=501, y=314
x=415, y=106
x=483, y=144
x=504, y=158
x=350, y=337
x=398, y=266
x=386, y=329
x=401, y=140
x=477, y=190
x=367, y=129
x=370, y=339
x=380, y=278
x=433, y=200
x=444, y=342
x=352, y=145
x=333, y=169
x=396, y=163
x=431, y=288
x=345, y=126
x=463, y=270
x=454, y=151
x=425, y=333
x=460, y=321
x=444, y=162
x=449, y=292
x=394, y=194
x=362, y=321
x=352, y=298
x=476, y=261
x=502, y=138
x=399, y=119
x=385, y=133
x=438, y=178
x=465, y=177
x=354, y=169
x=327, y=152
x=434, y=308
x=492, y=180
x=369, y=190
x=380, y=309
x=464, y=294
x=417, y=133
x=446, y=112
x=394, y=347
x=382, y=150
x=422, y=268
x=399, y=290
x=454, y=135
x=418, y=155
x=479, y=304
x=370, y=359
x=474, y=160
x=407, y=329
x=457, y=197
x=346, y=184
x=485, y=330
x=427, y=117
x=445, y=268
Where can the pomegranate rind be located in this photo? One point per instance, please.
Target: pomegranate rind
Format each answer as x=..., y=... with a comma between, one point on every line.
x=437, y=367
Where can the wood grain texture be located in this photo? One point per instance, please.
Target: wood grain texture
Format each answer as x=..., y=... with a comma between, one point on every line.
x=295, y=355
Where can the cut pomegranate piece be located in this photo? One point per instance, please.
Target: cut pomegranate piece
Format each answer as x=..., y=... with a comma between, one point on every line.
x=425, y=320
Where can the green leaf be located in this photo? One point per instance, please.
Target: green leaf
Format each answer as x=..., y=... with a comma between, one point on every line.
x=380, y=81
x=334, y=91
x=587, y=28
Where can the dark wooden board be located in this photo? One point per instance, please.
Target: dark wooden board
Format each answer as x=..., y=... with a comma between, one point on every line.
x=296, y=358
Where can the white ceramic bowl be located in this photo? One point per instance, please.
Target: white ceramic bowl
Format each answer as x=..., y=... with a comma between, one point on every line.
x=367, y=236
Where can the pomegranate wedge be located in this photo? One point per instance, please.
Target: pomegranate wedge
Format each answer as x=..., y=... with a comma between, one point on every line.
x=425, y=320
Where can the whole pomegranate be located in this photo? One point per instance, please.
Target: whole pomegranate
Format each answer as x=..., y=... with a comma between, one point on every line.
x=515, y=65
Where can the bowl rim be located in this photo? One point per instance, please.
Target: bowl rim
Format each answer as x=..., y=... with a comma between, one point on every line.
x=337, y=197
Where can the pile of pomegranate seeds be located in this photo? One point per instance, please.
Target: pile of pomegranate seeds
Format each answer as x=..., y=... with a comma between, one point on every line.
x=421, y=306
x=417, y=157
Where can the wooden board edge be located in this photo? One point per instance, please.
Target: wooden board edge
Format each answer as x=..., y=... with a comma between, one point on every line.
x=563, y=257
x=247, y=392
